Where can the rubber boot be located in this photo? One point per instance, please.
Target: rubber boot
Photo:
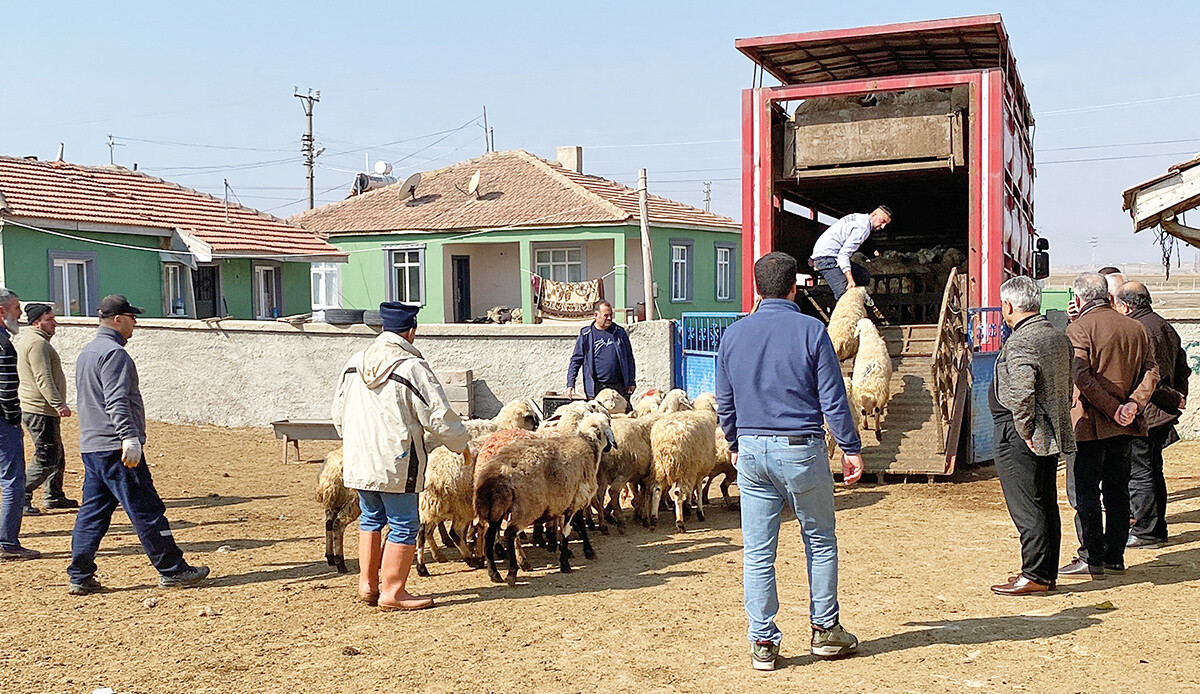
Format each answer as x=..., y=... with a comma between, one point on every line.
x=393, y=575
x=370, y=556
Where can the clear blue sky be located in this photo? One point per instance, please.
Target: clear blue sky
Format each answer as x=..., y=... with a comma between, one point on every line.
x=607, y=76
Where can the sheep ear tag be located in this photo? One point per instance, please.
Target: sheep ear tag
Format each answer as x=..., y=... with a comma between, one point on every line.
x=402, y=456
x=612, y=441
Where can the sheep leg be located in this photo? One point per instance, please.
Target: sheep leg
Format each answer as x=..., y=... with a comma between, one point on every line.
x=551, y=539
x=539, y=535
x=699, y=504
x=652, y=511
x=708, y=483
x=447, y=537
x=729, y=502
x=588, y=552
x=330, y=523
x=677, y=496
x=339, y=536
x=510, y=546
x=422, y=535
x=464, y=546
x=878, y=426
x=564, y=565
x=522, y=559
x=489, y=547
x=598, y=505
x=614, y=506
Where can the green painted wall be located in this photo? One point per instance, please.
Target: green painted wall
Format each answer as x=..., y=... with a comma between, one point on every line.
x=297, y=288
x=363, y=285
x=136, y=274
x=704, y=270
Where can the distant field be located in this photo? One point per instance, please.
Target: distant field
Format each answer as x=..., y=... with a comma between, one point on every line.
x=1178, y=297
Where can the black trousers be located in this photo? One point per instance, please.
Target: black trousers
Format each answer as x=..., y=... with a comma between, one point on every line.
x=1030, y=486
x=49, y=459
x=1147, y=486
x=1101, y=468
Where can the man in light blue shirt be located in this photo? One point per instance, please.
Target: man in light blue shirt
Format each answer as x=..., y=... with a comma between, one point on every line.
x=831, y=254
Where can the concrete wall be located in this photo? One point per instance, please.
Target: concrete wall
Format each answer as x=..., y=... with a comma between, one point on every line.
x=248, y=373
x=1189, y=335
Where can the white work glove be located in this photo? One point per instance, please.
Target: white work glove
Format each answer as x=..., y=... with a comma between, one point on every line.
x=131, y=452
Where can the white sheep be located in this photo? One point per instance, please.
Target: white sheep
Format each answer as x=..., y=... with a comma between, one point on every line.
x=676, y=400
x=684, y=450
x=648, y=403
x=830, y=443
x=627, y=463
x=613, y=402
x=850, y=309
x=448, y=496
x=518, y=414
x=341, y=508
x=872, y=374
x=551, y=476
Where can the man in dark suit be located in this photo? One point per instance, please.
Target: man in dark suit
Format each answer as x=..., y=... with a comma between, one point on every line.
x=1115, y=375
x=1030, y=401
x=1147, y=486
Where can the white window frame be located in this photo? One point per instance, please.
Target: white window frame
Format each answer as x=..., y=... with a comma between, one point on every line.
x=60, y=263
x=682, y=253
x=326, y=281
x=261, y=310
x=177, y=276
x=393, y=266
x=724, y=276
x=545, y=269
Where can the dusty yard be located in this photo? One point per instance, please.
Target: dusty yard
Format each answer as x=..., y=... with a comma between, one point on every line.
x=656, y=612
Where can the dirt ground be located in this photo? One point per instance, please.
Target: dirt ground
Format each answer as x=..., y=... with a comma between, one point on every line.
x=656, y=612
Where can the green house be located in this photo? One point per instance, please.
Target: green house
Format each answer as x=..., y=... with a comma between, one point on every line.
x=471, y=236
x=71, y=234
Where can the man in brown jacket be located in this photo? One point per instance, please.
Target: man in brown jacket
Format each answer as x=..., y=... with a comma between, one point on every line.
x=1115, y=375
x=1147, y=486
x=43, y=396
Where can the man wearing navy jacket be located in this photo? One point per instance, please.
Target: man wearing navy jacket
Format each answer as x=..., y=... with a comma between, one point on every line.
x=604, y=352
x=778, y=381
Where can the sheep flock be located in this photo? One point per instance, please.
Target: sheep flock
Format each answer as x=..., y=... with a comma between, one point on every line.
x=529, y=483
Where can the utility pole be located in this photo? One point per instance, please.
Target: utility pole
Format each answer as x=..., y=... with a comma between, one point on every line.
x=487, y=133
x=647, y=271
x=111, y=144
x=707, y=195
x=306, y=141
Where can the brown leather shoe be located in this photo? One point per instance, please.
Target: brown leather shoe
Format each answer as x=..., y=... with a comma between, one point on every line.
x=1023, y=586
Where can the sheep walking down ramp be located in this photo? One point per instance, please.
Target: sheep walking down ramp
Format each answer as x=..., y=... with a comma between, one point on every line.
x=843, y=322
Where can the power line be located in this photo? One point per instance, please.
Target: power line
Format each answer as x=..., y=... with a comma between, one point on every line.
x=1126, y=144
x=169, y=143
x=1102, y=107
x=1118, y=158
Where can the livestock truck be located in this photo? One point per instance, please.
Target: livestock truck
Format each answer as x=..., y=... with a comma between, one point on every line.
x=931, y=119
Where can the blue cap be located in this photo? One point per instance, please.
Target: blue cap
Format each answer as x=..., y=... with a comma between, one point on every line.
x=398, y=317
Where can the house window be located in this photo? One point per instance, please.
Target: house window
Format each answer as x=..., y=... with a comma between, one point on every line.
x=560, y=264
x=724, y=273
x=174, y=289
x=326, y=286
x=73, y=283
x=681, y=271
x=268, y=290
x=407, y=275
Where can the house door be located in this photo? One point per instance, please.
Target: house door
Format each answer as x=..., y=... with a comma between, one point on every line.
x=208, y=295
x=461, y=278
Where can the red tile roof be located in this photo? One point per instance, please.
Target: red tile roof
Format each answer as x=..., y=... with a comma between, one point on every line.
x=56, y=190
x=516, y=189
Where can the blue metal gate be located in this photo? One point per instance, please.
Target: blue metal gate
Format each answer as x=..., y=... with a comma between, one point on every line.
x=986, y=332
x=698, y=335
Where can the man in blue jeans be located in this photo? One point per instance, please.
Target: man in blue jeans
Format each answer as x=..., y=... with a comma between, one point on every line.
x=778, y=380
x=112, y=431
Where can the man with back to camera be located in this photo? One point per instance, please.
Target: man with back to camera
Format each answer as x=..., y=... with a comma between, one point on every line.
x=112, y=431
x=1030, y=400
x=1147, y=485
x=831, y=254
x=605, y=354
x=778, y=381
x=1115, y=375
x=43, y=394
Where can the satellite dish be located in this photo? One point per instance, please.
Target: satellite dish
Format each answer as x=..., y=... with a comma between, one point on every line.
x=383, y=168
x=408, y=189
x=473, y=186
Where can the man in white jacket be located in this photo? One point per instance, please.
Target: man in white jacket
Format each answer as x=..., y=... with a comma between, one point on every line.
x=388, y=403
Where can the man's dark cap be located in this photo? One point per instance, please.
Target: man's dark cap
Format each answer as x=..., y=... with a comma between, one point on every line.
x=36, y=311
x=116, y=305
x=398, y=317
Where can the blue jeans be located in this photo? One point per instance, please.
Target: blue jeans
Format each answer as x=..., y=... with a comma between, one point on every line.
x=107, y=483
x=399, y=512
x=836, y=279
x=772, y=472
x=12, y=485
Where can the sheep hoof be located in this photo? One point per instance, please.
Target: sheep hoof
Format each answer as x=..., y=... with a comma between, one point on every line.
x=565, y=568
x=525, y=566
x=679, y=525
x=474, y=562
x=700, y=515
x=422, y=571
x=878, y=435
x=495, y=576
x=589, y=553
x=511, y=579
x=341, y=566
x=331, y=559
x=733, y=506
x=604, y=529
